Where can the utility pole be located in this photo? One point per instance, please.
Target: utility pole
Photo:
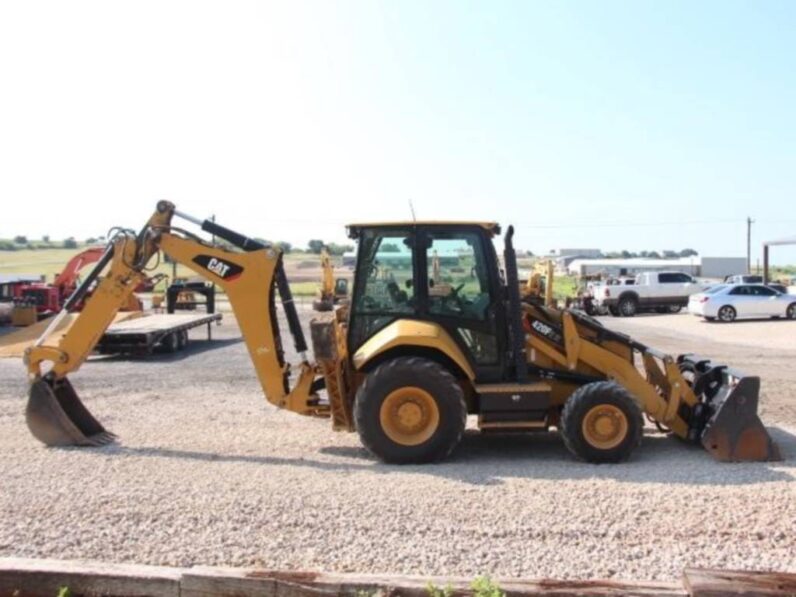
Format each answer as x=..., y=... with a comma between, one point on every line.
x=749, y=222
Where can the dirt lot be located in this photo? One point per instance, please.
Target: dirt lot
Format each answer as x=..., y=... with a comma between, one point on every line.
x=206, y=472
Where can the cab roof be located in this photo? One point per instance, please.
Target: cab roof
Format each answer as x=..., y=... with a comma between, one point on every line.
x=354, y=230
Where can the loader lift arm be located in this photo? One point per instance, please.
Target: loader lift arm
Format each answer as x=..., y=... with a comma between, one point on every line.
x=248, y=278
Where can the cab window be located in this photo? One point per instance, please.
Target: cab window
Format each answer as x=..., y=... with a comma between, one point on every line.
x=385, y=274
x=458, y=283
x=762, y=291
x=674, y=278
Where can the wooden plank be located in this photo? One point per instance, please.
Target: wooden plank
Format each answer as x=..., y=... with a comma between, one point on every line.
x=204, y=582
x=241, y=582
x=715, y=583
x=26, y=577
x=23, y=577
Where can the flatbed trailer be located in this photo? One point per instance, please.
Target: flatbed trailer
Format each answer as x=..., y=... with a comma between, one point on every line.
x=161, y=332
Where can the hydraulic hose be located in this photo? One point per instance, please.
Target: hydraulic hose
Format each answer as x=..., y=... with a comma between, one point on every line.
x=249, y=244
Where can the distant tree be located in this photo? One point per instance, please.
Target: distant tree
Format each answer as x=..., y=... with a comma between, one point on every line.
x=688, y=253
x=670, y=254
x=91, y=240
x=315, y=246
x=70, y=243
x=21, y=240
x=31, y=247
x=6, y=245
x=45, y=238
x=654, y=255
x=335, y=249
x=284, y=246
x=389, y=248
x=529, y=253
x=626, y=254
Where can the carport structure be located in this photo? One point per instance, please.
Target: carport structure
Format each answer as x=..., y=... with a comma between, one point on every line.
x=773, y=243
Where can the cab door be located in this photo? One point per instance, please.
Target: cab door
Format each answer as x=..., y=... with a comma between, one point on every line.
x=459, y=288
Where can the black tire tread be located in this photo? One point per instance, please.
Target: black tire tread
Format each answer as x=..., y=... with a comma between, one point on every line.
x=419, y=369
x=580, y=402
x=718, y=313
x=625, y=299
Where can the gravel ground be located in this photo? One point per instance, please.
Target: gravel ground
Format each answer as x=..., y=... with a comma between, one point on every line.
x=206, y=472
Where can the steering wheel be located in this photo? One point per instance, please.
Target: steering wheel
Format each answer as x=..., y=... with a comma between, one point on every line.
x=455, y=298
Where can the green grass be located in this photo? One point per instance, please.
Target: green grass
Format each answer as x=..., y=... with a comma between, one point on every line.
x=50, y=262
x=483, y=586
x=564, y=286
x=305, y=288
x=39, y=261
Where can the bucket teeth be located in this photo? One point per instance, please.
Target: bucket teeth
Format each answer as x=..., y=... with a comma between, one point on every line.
x=101, y=439
x=56, y=416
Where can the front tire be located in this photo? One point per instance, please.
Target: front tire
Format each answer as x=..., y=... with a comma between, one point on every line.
x=675, y=308
x=790, y=312
x=727, y=314
x=601, y=422
x=410, y=410
x=628, y=307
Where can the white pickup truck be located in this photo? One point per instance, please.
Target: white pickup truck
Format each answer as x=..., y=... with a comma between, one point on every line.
x=663, y=292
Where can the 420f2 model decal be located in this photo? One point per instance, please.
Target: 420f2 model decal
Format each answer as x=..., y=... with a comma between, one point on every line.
x=221, y=268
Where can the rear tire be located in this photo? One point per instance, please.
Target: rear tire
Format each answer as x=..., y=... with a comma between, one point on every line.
x=601, y=422
x=410, y=410
x=790, y=313
x=727, y=314
x=675, y=308
x=182, y=339
x=171, y=343
x=613, y=311
x=628, y=306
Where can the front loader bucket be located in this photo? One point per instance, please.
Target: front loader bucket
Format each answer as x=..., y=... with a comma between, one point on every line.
x=734, y=433
x=57, y=417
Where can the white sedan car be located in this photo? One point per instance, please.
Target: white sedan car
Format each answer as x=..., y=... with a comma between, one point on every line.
x=727, y=302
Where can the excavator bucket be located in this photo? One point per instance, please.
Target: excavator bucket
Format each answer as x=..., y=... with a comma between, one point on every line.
x=733, y=432
x=57, y=417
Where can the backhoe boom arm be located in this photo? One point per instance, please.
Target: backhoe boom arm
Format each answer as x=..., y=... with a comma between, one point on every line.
x=248, y=278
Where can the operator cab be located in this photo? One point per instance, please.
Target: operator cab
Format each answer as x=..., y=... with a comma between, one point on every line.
x=444, y=272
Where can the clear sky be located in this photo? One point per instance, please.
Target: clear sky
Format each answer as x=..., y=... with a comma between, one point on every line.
x=618, y=125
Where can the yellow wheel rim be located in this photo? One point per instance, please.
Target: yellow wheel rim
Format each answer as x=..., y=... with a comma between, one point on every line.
x=409, y=416
x=605, y=426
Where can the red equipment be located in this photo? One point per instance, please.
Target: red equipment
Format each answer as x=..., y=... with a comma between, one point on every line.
x=49, y=298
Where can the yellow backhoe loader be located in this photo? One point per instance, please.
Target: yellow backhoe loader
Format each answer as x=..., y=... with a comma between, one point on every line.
x=435, y=330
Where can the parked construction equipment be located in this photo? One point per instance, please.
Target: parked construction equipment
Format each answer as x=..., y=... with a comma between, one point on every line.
x=47, y=299
x=404, y=363
x=182, y=295
x=332, y=291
